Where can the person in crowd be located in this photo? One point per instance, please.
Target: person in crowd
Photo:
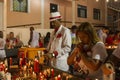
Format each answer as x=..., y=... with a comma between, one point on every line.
x=2, y=46
x=115, y=57
x=34, y=38
x=110, y=39
x=19, y=43
x=117, y=38
x=11, y=41
x=105, y=34
x=46, y=39
x=74, y=42
x=60, y=43
x=73, y=36
x=88, y=56
x=40, y=41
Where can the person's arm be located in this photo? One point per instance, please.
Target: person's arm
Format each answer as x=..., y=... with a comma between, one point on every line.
x=71, y=58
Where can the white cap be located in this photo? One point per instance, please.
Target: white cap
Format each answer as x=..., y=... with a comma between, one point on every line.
x=55, y=16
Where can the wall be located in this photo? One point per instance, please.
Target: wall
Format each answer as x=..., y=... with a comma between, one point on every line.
x=1, y=15
x=21, y=18
x=65, y=8
x=90, y=5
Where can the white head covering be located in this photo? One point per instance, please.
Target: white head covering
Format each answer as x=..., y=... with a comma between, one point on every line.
x=55, y=16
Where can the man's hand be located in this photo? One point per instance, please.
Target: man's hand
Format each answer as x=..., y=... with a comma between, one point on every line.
x=55, y=53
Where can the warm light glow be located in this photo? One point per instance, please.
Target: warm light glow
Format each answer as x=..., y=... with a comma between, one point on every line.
x=97, y=0
x=107, y=0
x=115, y=0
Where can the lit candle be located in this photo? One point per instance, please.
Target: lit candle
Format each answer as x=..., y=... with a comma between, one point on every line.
x=25, y=67
x=6, y=69
x=8, y=76
x=1, y=66
x=10, y=61
x=67, y=78
x=56, y=78
x=59, y=77
x=52, y=72
x=25, y=75
x=31, y=69
x=36, y=65
x=34, y=75
x=20, y=63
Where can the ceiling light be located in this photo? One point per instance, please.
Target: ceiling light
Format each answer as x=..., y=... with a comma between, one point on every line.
x=107, y=0
x=115, y=0
x=97, y=0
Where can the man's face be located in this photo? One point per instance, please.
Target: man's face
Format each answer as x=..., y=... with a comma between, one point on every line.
x=11, y=35
x=54, y=24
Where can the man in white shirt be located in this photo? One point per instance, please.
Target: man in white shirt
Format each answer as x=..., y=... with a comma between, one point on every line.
x=60, y=43
x=34, y=38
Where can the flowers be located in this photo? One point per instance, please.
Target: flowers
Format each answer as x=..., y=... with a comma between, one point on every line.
x=59, y=35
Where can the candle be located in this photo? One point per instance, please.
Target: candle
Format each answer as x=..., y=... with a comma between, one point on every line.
x=34, y=75
x=29, y=63
x=1, y=66
x=25, y=75
x=36, y=65
x=52, y=72
x=31, y=69
x=59, y=77
x=6, y=69
x=10, y=61
x=8, y=76
x=20, y=63
x=67, y=77
x=56, y=78
x=48, y=72
x=25, y=67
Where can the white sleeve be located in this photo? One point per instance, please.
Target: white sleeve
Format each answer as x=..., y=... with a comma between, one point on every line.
x=99, y=51
x=116, y=52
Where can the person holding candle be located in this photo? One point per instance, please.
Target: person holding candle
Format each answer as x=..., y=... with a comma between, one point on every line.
x=60, y=43
x=89, y=54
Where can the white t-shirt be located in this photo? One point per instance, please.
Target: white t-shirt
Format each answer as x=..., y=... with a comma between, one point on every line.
x=2, y=46
x=98, y=52
x=116, y=52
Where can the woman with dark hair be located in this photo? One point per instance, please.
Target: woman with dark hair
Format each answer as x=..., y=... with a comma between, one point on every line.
x=46, y=39
x=88, y=56
x=2, y=46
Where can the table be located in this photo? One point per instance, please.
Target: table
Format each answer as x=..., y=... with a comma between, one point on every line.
x=30, y=52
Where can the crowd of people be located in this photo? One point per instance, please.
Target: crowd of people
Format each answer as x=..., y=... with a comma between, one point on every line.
x=80, y=50
x=109, y=37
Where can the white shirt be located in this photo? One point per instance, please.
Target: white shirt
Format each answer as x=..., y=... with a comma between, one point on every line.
x=98, y=52
x=60, y=42
x=2, y=46
x=116, y=52
x=35, y=39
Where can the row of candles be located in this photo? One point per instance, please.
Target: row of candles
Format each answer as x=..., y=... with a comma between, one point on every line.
x=31, y=68
x=4, y=74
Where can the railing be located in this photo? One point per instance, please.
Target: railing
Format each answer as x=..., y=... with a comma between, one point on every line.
x=25, y=25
